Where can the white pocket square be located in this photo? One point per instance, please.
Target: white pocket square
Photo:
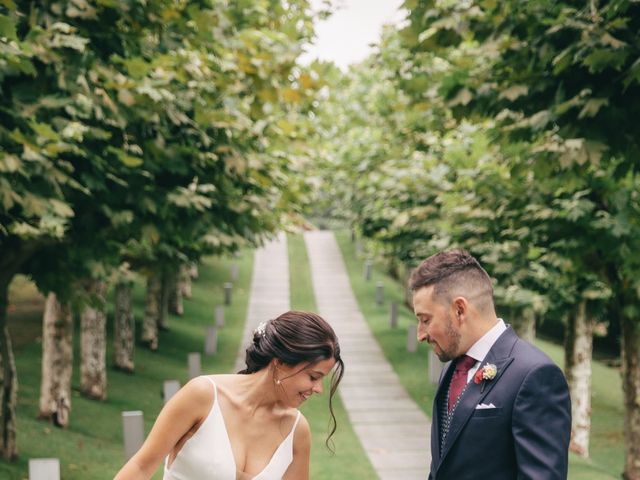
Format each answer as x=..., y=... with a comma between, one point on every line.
x=482, y=406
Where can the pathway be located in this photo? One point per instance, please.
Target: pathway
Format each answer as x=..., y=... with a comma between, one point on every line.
x=269, y=296
x=392, y=429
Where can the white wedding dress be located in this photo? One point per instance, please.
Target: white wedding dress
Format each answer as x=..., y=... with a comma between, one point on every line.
x=207, y=455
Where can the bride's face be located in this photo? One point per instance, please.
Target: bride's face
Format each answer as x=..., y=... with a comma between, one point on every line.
x=299, y=382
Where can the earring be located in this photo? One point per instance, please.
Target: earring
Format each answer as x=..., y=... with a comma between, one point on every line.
x=275, y=367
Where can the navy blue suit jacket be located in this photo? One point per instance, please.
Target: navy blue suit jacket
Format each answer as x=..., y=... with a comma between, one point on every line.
x=525, y=437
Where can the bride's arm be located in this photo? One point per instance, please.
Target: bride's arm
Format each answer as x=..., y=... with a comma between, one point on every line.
x=299, y=468
x=181, y=416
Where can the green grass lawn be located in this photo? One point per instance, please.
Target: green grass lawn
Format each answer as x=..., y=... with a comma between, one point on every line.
x=349, y=460
x=91, y=448
x=607, y=454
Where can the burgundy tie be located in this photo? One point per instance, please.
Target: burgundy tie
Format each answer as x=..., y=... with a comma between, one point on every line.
x=459, y=378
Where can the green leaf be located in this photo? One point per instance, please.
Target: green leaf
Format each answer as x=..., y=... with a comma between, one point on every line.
x=463, y=97
x=562, y=61
x=131, y=161
x=61, y=209
x=613, y=42
x=592, y=107
x=426, y=34
x=601, y=59
x=514, y=92
x=81, y=9
x=126, y=97
x=137, y=67
x=34, y=205
x=8, y=28
x=595, y=150
x=23, y=229
x=7, y=194
x=150, y=234
x=10, y=4
x=44, y=130
x=10, y=163
x=633, y=74
x=26, y=66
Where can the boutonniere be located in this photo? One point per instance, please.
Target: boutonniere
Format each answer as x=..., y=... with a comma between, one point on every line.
x=487, y=372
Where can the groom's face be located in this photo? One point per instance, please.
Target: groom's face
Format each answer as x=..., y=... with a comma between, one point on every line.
x=435, y=324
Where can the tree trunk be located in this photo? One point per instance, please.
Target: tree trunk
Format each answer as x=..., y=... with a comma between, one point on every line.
x=163, y=314
x=185, y=282
x=152, y=312
x=123, y=328
x=578, y=353
x=8, y=383
x=408, y=294
x=57, y=362
x=175, y=288
x=524, y=324
x=193, y=271
x=631, y=389
x=93, y=344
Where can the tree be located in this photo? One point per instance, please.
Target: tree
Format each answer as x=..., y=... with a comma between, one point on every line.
x=141, y=133
x=557, y=76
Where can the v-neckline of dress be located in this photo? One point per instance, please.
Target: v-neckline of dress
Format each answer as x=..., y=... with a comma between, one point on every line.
x=233, y=457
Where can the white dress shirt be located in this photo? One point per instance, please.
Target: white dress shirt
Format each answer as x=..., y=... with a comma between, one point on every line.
x=480, y=349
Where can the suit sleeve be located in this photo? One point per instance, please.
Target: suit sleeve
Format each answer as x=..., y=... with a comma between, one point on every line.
x=541, y=425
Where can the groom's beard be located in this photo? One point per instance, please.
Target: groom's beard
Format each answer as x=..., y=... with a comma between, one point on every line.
x=452, y=337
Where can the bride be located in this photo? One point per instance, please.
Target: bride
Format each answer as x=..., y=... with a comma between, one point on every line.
x=247, y=425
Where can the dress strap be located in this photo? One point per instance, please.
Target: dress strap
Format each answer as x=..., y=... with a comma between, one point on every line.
x=295, y=424
x=215, y=390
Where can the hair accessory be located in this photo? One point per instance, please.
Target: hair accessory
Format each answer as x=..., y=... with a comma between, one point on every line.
x=261, y=329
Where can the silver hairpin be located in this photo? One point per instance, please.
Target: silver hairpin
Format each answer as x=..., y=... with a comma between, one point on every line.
x=261, y=329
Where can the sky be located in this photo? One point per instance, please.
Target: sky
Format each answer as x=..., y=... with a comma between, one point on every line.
x=345, y=36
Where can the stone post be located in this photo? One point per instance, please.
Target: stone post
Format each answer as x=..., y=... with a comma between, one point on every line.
x=44, y=469
x=195, y=368
x=133, y=432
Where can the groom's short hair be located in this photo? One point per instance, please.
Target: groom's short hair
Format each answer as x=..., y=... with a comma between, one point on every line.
x=454, y=273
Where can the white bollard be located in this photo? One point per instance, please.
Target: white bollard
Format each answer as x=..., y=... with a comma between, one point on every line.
x=211, y=341
x=227, y=293
x=379, y=294
x=234, y=271
x=195, y=366
x=393, y=320
x=359, y=248
x=44, y=469
x=412, y=339
x=219, y=316
x=133, y=432
x=368, y=267
x=169, y=389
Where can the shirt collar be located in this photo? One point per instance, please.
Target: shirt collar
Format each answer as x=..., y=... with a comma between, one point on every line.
x=480, y=349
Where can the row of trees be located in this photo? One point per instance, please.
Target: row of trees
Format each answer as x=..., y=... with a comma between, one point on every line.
x=137, y=137
x=507, y=128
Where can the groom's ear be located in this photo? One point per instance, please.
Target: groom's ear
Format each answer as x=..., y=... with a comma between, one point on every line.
x=460, y=310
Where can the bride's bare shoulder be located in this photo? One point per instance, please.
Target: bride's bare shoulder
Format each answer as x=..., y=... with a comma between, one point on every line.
x=227, y=383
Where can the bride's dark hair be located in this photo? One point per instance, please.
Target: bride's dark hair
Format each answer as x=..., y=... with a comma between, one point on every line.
x=293, y=338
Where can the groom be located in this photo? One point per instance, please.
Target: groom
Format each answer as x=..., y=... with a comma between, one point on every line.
x=502, y=409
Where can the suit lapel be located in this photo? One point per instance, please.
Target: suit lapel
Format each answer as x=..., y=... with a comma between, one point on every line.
x=474, y=393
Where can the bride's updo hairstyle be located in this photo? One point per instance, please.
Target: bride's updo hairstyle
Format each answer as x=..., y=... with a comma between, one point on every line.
x=294, y=338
